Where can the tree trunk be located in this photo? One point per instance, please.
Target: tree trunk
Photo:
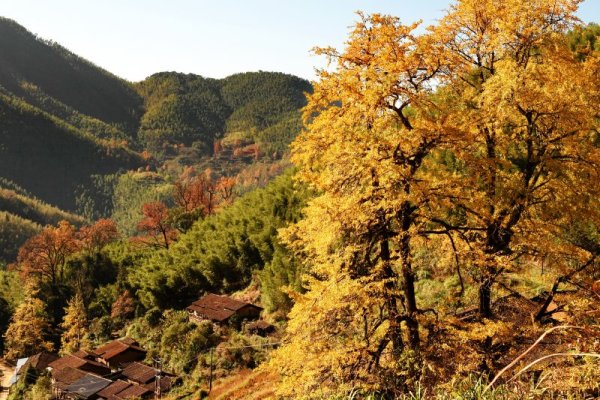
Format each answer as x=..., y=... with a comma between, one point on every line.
x=395, y=333
x=485, y=299
x=409, y=279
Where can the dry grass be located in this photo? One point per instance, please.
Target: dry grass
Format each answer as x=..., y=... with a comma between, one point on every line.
x=245, y=385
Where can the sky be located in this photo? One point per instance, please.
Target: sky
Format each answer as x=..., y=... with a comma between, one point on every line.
x=214, y=38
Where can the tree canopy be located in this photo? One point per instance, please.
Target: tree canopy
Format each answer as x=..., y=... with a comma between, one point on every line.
x=470, y=132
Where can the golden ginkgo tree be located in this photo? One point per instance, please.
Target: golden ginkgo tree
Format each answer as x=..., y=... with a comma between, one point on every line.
x=371, y=126
x=481, y=129
x=529, y=114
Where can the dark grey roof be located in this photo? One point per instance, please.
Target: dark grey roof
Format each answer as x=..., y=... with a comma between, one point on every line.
x=87, y=386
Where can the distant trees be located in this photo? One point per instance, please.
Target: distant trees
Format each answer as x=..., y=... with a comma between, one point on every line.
x=201, y=192
x=46, y=262
x=222, y=251
x=156, y=225
x=93, y=237
x=195, y=196
x=43, y=257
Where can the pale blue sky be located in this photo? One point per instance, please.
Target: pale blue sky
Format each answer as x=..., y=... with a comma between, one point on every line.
x=135, y=38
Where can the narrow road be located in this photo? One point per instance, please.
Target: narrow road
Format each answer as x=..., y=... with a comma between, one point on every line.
x=7, y=372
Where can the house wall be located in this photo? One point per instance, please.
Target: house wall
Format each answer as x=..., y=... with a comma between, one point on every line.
x=125, y=357
x=248, y=312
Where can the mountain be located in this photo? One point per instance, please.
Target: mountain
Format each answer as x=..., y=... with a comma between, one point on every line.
x=196, y=111
x=50, y=158
x=69, y=129
x=59, y=82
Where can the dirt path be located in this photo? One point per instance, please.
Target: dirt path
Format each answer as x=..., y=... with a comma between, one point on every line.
x=7, y=372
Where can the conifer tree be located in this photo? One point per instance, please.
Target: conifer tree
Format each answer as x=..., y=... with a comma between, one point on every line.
x=75, y=325
x=28, y=330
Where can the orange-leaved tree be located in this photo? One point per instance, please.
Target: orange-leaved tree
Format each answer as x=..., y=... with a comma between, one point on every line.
x=75, y=325
x=157, y=225
x=202, y=192
x=44, y=255
x=94, y=237
x=28, y=331
x=483, y=129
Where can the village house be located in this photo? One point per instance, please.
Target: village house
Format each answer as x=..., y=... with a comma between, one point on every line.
x=120, y=389
x=220, y=309
x=63, y=378
x=86, y=387
x=111, y=372
x=120, y=353
x=149, y=377
x=39, y=362
x=81, y=360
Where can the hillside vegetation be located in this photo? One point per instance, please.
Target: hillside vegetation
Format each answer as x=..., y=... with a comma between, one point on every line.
x=22, y=216
x=50, y=158
x=54, y=79
x=207, y=114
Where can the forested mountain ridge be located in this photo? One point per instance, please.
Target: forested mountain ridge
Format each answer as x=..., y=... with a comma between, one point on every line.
x=70, y=129
x=43, y=72
x=51, y=158
x=200, y=112
x=95, y=117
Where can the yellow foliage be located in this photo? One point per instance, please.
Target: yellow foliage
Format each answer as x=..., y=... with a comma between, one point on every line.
x=480, y=130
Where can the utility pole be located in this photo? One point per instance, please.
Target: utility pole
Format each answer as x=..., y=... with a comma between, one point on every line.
x=158, y=367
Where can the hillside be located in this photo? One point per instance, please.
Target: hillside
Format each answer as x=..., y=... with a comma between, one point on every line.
x=65, y=120
x=60, y=82
x=22, y=216
x=51, y=158
x=201, y=113
x=69, y=130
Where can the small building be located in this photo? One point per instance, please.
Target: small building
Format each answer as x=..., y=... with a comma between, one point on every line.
x=120, y=352
x=220, y=309
x=62, y=378
x=82, y=360
x=87, y=387
x=40, y=361
x=120, y=389
x=148, y=377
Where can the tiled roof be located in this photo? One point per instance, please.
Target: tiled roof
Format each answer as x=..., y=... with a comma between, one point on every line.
x=116, y=347
x=87, y=386
x=217, y=308
x=88, y=355
x=139, y=372
x=79, y=363
x=41, y=360
x=114, y=388
x=166, y=383
x=133, y=391
x=65, y=376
